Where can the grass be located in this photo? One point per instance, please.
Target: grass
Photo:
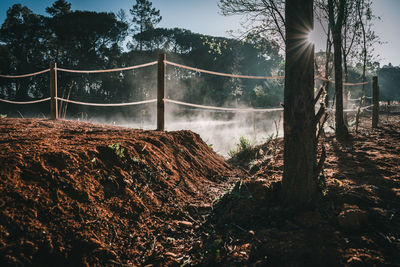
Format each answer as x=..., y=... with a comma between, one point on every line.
x=249, y=155
x=243, y=147
x=118, y=149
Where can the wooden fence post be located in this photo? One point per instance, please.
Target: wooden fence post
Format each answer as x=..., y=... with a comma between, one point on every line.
x=161, y=92
x=53, y=91
x=375, y=102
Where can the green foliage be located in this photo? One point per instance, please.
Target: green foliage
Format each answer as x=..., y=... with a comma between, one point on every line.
x=270, y=137
x=268, y=94
x=95, y=40
x=243, y=147
x=389, y=80
x=145, y=17
x=59, y=7
x=135, y=159
x=216, y=48
x=118, y=149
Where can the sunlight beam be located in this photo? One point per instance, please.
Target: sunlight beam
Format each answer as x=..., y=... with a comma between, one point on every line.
x=312, y=37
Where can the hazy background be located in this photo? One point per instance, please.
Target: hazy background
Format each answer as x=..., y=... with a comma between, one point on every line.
x=203, y=16
x=199, y=23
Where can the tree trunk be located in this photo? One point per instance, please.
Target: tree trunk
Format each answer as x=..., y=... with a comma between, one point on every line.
x=336, y=26
x=327, y=72
x=345, y=88
x=360, y=5
x=364, y=46
x=299, y=177
x=341, y=129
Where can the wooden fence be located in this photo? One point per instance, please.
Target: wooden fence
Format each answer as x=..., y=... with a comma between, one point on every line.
x=161, y=85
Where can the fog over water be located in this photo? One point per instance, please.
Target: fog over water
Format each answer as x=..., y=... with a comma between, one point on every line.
x=219, y=129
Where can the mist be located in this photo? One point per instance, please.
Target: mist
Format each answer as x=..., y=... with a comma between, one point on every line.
x=219, y=129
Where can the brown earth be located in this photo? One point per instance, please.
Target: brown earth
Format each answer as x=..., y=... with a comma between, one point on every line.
x=74, y=194
x=356, y=222
x=83, y=194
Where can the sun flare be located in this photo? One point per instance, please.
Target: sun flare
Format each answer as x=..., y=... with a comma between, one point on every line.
x=312, y=37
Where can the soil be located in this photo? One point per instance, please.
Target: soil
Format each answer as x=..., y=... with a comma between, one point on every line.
x=80, y=194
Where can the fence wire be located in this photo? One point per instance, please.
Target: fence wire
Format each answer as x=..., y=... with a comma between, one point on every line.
x=169, y=100
x=222, y=108
x=223, y=74
x=25, y=102
x=109, y=70
x=351, y=110
x=249, y=76
x=24, y=75
x=107, y=105
x=346, y=84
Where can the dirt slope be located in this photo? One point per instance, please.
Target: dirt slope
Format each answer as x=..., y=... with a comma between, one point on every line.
x=81, y=194
x=76, y=194
x=356, y=222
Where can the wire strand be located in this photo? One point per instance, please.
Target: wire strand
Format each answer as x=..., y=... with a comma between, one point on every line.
x=222, y=108
x=107, y=105
x=109, y=70
x=223, y=74
x=24, y=75
x=25, y=102
x=347, y=84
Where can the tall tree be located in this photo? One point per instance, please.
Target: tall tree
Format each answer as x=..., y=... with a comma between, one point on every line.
x=145, y=17
x=325, y=59
x=59, y=7
x=336, y=19
x=368, y=38
x=265, y=18
x=350, y=37
x=299, y=173
x=6, y=64
x=360, y=7
x=23, y=33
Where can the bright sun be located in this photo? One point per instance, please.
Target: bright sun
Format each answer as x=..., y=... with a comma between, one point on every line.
x=311, y=37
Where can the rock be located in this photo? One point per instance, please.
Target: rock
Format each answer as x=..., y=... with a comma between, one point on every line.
x=352, y=217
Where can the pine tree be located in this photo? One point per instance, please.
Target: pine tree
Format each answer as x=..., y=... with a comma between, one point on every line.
x=60, y=7
x=300, y=171
x=145, y=17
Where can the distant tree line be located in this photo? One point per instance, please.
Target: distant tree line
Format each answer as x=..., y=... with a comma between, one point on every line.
x=389, y=82
x=84, y=40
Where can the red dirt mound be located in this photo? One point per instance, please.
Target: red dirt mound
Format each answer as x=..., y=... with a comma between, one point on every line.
x=83, y=194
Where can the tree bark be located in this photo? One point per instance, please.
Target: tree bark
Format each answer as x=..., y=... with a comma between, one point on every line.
x=360, y=9
x=336, y=26
x=345, y=88
x=299, y=176
x=341, y=129
x=327, y=72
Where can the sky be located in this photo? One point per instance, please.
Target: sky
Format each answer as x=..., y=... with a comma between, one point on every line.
x=203, y=16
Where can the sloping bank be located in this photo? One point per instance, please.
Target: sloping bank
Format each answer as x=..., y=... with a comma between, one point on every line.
x=74, y=193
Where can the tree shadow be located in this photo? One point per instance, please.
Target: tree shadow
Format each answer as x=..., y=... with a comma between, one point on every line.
x=366, y=169
x=361, y=163
x=249, y=226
